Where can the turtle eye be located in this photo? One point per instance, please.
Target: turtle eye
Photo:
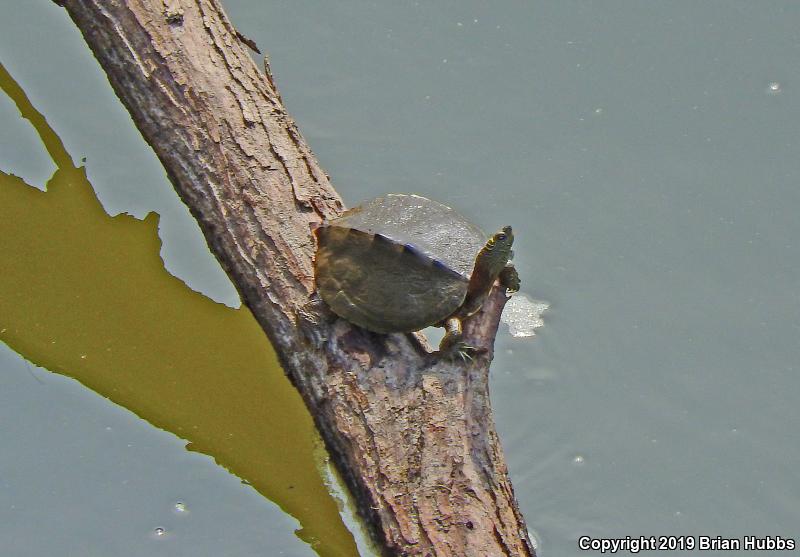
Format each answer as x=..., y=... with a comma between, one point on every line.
x=501, y=237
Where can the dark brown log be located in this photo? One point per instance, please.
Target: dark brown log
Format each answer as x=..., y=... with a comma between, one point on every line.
x=412, y=434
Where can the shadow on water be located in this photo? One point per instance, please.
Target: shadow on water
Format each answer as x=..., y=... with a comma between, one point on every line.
x=86, y=295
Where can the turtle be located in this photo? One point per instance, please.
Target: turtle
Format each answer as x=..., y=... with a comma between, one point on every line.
x=403, y=262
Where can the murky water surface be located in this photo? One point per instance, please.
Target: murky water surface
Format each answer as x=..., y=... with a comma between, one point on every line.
x=646, y=155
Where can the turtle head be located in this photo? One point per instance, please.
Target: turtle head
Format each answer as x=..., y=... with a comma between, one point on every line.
x=489, y=264
x=492, y=259
x=497, y=251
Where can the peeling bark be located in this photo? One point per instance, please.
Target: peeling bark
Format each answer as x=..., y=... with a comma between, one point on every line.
x=412, y=435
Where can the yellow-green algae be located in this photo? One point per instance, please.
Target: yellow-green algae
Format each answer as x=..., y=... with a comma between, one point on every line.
x=86, y=295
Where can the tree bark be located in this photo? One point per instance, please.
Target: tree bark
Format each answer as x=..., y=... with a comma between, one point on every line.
x=412, y=434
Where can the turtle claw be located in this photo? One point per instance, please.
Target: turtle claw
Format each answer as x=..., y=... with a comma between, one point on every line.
x=465, y=352
x=509, y=278
x=458, y=349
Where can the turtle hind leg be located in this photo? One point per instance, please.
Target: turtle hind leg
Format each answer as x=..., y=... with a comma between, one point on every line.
x=509, y=278
x=452, y=345
x=313, y=318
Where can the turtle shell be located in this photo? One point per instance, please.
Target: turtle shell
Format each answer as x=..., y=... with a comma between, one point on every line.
x=397, y=263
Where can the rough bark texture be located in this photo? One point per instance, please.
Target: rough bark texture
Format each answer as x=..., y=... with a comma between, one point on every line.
x=412, y=435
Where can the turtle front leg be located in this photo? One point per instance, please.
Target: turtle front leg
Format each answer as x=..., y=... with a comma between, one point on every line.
x=451, y=344
x=509, y=278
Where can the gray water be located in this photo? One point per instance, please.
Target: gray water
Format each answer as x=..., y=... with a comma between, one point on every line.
x=646, y=155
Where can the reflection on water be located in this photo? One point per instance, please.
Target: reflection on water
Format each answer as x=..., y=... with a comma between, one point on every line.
x=86, y=295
